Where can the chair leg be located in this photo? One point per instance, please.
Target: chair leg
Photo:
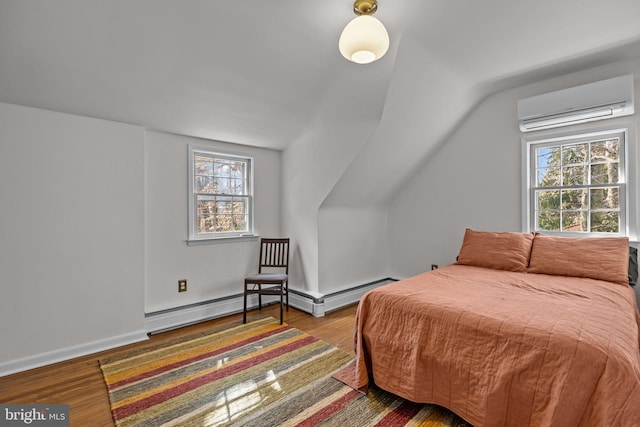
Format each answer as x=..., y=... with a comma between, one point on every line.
x=286, y=287
x=259, y=296
x=281, y=295
x=244, y=311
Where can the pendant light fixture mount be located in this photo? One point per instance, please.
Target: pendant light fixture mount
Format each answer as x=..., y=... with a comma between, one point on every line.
x=365, y=7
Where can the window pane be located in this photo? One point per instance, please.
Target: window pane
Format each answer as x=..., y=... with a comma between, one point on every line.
x=203, y=184
x=222, y=186
x=605, y=222
x=575, y=153
x=206, y=204
x=574, y=175
x=605, y=173
x=605, y=198
x=236, y=186
x=239, y=223
x=574, y=221
x=574, y=199
x=221, y=168
x=548, y=177
x=549, y=220
x=605, y=151
x=205, y=210
x=224, y=205
x=203, y=165
x=548, y=199
x=548, y=156
x=206, y=223
x=239, y=206
x=224, y=223
x=237, y=170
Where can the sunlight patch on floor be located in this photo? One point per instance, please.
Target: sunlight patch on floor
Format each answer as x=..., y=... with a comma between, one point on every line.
x=240, y=399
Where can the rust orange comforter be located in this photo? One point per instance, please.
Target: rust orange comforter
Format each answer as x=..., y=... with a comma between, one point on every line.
x=505, y=349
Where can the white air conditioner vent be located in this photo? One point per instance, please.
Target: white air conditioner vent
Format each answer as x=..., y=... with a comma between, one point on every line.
x=601, y=100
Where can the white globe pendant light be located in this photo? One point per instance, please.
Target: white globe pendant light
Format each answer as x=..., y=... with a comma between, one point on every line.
x=364, y=39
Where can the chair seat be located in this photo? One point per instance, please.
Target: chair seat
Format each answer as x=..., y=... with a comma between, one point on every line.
x=266, y=278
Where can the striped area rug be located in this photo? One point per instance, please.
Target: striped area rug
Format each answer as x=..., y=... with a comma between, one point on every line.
x=258, y=374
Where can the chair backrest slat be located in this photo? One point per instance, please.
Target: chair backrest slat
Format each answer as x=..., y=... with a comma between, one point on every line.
x=274, y=253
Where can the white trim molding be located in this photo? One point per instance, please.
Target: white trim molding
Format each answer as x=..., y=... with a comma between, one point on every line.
x=172, y=318
x=38, y=360
x=315, y=304
x=318, y=306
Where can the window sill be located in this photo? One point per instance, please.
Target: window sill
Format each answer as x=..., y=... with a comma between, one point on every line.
x=216, y=240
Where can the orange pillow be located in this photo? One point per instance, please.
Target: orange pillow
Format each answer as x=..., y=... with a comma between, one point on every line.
x=497, y=250
x=601, y=258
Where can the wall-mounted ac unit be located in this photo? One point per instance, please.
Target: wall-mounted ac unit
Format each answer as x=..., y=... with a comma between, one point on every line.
x=601, y=100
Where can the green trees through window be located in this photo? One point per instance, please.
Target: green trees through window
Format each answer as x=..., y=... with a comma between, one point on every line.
x=578, y=185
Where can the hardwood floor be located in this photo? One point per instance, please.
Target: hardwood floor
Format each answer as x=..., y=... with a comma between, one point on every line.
x=78, y=382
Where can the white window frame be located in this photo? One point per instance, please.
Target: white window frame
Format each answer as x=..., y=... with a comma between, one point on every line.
x=627, y=165
x=198, y=238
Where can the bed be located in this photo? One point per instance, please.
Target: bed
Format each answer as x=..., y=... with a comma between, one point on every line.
x=524, y=330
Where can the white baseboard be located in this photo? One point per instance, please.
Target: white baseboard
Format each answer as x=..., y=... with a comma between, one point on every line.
x=337, y=300
x=314, y=304
x=319, y=305
x=180, y=316
x=38, y=360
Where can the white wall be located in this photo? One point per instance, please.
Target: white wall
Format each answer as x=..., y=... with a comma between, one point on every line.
x=212, y=270
x=317, y=159
x=357, y=243
x=474, y=180
x=71, y=235
x=93, y=228
x=353, y=243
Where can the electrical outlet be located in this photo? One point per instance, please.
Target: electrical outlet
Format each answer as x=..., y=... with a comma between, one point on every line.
x=433, y=267
x=182, y=285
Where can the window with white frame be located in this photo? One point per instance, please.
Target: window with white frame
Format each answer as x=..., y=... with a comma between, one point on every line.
x=579, y=184
x=220, y=195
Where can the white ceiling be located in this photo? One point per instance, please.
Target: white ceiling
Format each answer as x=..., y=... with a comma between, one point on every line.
x=254, y=72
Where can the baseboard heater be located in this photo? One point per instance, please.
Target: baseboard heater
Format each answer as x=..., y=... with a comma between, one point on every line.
x=317, y=305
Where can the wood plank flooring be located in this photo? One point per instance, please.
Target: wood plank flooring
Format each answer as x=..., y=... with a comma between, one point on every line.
x=78, y=382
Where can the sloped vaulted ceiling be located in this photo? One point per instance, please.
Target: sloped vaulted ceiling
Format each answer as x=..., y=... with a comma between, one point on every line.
x=251, y=72
x=254, y=72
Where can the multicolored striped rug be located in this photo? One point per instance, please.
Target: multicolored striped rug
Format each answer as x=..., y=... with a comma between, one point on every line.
x=258, y=374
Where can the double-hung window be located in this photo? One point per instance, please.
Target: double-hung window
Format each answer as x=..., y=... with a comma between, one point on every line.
x=579, y=184
x=220, y=195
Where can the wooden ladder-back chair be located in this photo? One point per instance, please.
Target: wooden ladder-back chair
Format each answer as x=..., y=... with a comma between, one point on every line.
x=273, y=274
